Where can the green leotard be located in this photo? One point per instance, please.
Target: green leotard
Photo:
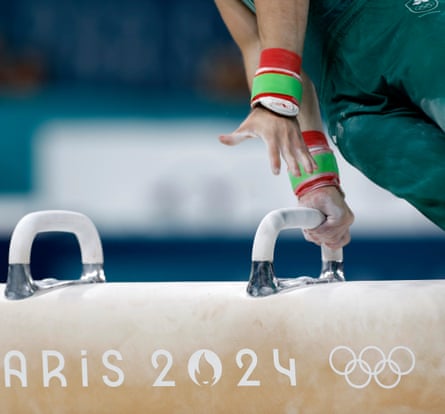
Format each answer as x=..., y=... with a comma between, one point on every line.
x=379, y=70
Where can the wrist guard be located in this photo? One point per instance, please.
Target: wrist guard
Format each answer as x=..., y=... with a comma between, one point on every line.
x=277, y=84
x=326, y=173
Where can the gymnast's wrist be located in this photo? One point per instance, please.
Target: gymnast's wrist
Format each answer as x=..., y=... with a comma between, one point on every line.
x=322, y=188
x=325, y=175
x=277, y=84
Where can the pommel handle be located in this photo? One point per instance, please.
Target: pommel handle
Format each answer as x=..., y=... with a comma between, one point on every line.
x=262, y=280
x=20, y=283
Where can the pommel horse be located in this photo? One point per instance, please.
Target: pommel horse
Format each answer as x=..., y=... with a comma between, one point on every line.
x=308, y=345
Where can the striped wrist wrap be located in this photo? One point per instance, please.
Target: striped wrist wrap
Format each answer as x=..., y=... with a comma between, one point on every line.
x=277, y=84
x=326, y=173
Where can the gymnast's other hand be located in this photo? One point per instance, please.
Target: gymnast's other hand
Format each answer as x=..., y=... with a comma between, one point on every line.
x=282, y=137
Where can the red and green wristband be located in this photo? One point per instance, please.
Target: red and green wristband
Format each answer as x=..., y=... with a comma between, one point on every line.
x=326, y=173
x=277, y=84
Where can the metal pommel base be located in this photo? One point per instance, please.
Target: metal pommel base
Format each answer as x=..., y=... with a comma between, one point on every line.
x=21, y=285
x=263, y=281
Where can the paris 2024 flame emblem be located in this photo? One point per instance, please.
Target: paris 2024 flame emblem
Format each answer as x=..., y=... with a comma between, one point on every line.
x=205, y=368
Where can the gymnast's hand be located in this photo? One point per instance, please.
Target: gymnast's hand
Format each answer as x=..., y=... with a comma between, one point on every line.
x=334, y=232
x=282, y=136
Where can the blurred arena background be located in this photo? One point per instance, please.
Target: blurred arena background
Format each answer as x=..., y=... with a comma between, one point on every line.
x=113, y=109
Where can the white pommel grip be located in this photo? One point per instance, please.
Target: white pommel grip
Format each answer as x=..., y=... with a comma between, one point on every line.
x=20, y=283
x=288, y=218
x=55, y=221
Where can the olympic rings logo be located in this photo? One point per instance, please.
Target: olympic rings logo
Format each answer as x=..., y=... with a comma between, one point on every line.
x=374, y=370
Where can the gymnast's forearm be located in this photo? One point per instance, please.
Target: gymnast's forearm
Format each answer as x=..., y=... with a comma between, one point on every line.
x=282, y=23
